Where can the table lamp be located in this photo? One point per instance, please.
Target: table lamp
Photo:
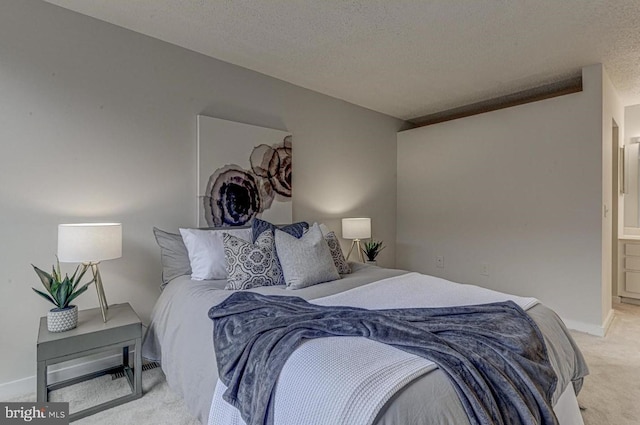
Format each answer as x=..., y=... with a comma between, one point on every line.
x=356, y=229
x=89, y=244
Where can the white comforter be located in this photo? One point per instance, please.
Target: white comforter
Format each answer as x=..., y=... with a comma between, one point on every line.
x=347, y=380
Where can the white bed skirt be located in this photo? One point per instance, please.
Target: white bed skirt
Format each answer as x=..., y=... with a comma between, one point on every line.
x=567, y=409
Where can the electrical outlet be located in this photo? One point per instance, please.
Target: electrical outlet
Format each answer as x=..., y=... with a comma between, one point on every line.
x=484, y=269
x=440, y=261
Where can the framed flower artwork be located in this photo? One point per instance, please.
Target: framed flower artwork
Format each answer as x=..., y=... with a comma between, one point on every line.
x=244, y=172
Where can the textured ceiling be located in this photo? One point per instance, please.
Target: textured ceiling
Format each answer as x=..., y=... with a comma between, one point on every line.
x=405, y=58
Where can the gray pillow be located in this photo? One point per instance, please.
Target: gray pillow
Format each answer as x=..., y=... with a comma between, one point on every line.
x=173, y=255
x=305, y=261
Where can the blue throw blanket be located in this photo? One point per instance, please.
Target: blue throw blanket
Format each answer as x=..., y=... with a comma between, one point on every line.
x=494, y=354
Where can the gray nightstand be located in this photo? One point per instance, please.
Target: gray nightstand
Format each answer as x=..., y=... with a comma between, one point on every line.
x=122, y=330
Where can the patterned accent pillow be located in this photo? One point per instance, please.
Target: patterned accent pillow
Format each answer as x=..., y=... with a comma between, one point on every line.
x=251, y=265
x=336, y=253
x=296, y=229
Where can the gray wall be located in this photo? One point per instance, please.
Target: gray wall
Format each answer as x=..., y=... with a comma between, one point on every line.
x=99, y=123
x=520, y=190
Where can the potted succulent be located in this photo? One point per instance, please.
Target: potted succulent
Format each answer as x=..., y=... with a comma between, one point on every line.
x=371, y=250
x=61, y=292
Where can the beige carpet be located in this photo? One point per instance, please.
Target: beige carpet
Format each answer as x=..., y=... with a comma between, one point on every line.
x=611, y=394
x=158, y=406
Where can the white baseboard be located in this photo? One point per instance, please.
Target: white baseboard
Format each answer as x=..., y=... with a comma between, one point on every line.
x=616, y=300
x=627, y=300
x=17, y=388
x=590, y=328
x=27, y=385
x=607, y=322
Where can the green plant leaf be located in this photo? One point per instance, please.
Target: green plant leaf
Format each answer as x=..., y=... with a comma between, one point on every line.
x=44, y=277
x=82, y=273
x=372, y=248
x=54, y=275
x=58, y=270
x=57, y=295
x=62, y=291
x=78, y=292
x=54, y=288
x=73, y=277
x=45, y=296
x=66, y=289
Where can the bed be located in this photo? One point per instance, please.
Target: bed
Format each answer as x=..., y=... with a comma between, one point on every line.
x=180, y=337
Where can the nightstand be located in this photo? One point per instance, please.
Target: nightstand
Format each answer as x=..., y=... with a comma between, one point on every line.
x=92, y=336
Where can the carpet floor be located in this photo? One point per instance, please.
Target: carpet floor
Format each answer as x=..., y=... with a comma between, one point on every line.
x=158, y=406
x=611, y=393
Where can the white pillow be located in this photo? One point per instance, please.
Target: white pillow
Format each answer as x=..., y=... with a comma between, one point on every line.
x=305, y=261
x=206, y=251
x=324, y=229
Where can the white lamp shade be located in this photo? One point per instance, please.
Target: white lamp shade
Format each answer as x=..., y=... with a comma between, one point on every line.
x=89, y=242
x=356, y=228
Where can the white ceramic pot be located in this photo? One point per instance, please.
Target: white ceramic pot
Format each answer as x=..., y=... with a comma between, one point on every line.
x=372, y=262
x=60, y=320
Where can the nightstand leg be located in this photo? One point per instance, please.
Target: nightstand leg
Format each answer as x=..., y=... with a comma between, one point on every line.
x=41, y=385
x=125, y=356
x=138, y=367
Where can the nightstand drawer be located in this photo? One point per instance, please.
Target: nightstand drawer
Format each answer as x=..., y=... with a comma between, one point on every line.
x=91, y=332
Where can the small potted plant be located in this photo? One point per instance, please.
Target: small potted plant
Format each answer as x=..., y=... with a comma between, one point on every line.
x=61, y=292
x=371, y=250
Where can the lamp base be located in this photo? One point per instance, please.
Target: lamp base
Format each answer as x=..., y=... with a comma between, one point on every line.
x=102, y=298
x=356, y=243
